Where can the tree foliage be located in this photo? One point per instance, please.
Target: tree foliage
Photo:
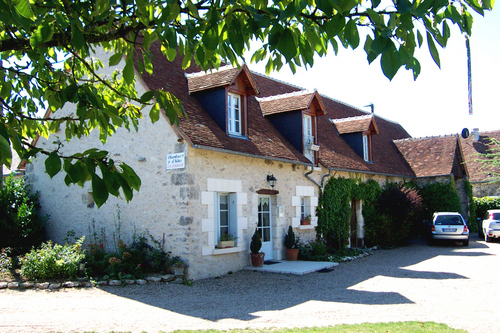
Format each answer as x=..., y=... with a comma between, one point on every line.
x=46, y=49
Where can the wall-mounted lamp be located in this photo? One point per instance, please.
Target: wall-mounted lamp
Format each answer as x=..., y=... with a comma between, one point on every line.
x=271, y=180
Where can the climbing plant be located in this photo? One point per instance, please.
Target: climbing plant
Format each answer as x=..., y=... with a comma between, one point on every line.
x=334, y=207
x=440, y=197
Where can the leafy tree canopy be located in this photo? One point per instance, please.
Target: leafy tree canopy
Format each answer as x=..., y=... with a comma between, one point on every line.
x=46, y=49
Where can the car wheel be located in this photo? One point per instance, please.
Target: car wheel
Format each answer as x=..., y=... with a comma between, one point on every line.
x=480, y=233
x=486, y=237
x=466, y=242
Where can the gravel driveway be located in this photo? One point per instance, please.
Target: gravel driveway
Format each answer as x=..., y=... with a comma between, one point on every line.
x=447, y=283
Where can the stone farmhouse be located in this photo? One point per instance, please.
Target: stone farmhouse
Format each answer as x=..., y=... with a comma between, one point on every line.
x=252, y=153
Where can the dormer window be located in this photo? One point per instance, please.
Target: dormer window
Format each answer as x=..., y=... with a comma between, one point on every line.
x=357, y=133
x=294, y=116
x=223, y=93
x=234, y=120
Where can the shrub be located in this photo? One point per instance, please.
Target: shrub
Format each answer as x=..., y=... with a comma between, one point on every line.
x=21, y=228
x=484, y=204
x=129, y=262
x=53, y=261
x=395, y=216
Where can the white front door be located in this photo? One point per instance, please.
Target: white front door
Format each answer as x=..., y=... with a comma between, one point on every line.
x=264, y=226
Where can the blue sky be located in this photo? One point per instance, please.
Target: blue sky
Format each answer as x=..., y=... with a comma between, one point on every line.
x=434, y=104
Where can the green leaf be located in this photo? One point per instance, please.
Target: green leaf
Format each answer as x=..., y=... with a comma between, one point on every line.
x=404, y=6
x=23, y=8
x=131, y=177
x=42, y=34
x=287, y=44
x=433, y=50
x=211, y=38
x=334, y=26
x=99, y=190
x=147, y=96
x=53, y=164
x=128, y=70
x=154, y=113
x=77, y=38
x=115, y=59
x=351, y=34
x=390, y=62
x=5, y=152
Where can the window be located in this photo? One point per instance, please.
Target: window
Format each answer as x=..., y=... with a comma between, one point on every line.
x=226, y=214
x=304, y=207
x=308, y=137
x=234, y=114
x=366, y=148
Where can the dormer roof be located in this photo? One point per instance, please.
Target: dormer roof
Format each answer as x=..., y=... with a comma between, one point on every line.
x=298, y=100
x=363, y=124
x=224, y=76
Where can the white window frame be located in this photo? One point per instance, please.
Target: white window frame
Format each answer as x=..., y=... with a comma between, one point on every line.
x=366, y=148
x=308, y=136
x=234, y=121
x=231, y=211
x=305, y=207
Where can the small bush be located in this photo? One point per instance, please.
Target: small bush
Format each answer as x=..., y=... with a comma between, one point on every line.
x=395, y=217
x=21, y=228
x=53, y=261
x=129, y=262
x=5, y=260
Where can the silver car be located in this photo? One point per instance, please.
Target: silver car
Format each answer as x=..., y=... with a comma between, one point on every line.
x=491, y=224
x=449, y=226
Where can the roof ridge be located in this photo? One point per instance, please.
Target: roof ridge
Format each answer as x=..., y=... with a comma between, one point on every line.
x=426, y=137
x=341, y=120
x=285, y=95
x=211, y=71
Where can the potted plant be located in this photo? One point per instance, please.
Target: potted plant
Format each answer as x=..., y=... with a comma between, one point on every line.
x=226, y=240
x=292, y=251
x=178, y=266
x=306, y=220
x=255, y=245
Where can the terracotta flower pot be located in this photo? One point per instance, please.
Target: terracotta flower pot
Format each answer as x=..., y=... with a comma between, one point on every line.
x=305, y=222
x=257, y=259
x=292, y=254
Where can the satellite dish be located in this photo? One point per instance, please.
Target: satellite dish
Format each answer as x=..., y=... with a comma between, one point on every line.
x=465, y=133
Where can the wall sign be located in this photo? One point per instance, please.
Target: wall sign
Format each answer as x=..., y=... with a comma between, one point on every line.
x=176, y=161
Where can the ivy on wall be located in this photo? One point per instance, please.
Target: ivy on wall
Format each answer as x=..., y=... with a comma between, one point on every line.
x=334, y=207
x=441, y=197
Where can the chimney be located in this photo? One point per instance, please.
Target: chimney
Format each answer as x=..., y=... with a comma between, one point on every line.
x=475, y=132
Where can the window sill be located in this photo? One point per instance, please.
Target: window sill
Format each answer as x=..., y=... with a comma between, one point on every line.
x=230, y=250
x=306, y=227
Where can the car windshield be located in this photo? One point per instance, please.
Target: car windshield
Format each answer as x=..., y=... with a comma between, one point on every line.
x=448, y=220
x=495, y=216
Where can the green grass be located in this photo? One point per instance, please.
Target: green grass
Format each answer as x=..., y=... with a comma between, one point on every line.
x=396, y=327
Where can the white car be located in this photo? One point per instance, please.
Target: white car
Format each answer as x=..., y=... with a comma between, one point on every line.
x=491, y=224
x=449, y=226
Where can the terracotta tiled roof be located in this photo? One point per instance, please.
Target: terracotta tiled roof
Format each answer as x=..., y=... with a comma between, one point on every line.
x=354, y=124
x=221, y=77
x=430, y=156
x=472, y=150
x=299, y=100
x=336, y=154
x=263, y=139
